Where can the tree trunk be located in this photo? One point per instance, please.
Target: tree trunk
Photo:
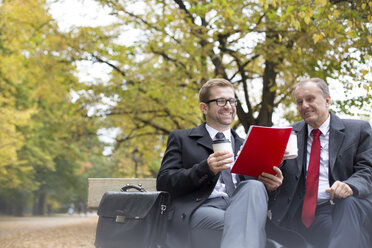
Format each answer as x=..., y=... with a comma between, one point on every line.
x=268, y=95
x=39, y=202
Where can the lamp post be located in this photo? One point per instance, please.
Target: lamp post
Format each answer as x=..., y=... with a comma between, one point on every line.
x=136, y=156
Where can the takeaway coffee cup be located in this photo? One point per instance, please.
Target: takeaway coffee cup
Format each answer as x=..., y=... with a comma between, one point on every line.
x=292, y=146
x=222, y=145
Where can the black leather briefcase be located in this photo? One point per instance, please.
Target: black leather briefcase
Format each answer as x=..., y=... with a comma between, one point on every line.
x=132, y=219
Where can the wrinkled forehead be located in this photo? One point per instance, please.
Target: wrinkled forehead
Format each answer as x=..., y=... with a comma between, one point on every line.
x=306, y=89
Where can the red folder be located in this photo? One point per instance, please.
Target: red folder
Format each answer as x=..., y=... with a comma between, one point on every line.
x=263, y=148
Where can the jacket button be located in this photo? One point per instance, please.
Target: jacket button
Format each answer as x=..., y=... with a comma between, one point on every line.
x=183, y=216
x=198, y=199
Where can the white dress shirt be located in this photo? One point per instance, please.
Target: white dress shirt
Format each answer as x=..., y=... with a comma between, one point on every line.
x=324, y=160
x=220, y=188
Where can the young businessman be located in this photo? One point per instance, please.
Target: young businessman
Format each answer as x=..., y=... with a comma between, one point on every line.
x=326, y=193
x=205, y=212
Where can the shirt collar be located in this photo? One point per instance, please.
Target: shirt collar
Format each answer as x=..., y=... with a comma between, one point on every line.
x=212, y=132
x=324, y=128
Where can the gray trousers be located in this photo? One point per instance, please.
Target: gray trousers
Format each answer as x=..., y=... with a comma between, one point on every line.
x=238, y=221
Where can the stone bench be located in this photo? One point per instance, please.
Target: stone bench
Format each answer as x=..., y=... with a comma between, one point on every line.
x=98, y=186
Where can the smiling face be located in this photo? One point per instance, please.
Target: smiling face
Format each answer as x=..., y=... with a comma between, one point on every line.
x=312, y=105
x=220, y=118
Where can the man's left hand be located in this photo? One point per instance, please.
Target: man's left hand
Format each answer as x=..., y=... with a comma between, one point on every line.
x=339, y=190
x=272, y=182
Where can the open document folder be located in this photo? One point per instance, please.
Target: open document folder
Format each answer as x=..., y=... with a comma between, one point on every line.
x=263, y=148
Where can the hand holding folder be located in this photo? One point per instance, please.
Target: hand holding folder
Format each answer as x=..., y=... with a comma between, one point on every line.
x=263, y=148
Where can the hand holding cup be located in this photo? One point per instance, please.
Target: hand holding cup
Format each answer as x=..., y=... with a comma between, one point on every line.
x=291, y=150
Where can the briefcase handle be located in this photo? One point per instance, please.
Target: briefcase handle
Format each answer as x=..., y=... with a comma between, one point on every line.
x=132, y=186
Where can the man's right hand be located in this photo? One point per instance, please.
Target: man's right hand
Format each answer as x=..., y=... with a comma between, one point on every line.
x=219, y=161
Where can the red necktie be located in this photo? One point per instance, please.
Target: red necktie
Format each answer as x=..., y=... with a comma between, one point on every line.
x=312, y=180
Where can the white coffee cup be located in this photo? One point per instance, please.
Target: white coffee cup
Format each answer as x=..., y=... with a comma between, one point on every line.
x=292, y=146
x=222, y=146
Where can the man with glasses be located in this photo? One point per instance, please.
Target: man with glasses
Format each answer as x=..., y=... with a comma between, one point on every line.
x=204, y=212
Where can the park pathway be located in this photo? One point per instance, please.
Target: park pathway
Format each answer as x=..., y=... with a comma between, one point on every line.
x=57, y=231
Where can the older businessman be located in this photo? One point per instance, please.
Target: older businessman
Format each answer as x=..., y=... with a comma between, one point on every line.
x=326, y=193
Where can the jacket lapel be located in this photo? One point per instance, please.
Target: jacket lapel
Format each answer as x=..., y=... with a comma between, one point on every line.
x=202, y=137
x=336, y=138
x=237, y=142
x=301, y=130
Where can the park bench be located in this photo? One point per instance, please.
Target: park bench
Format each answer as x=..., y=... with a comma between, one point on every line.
x=98, y=186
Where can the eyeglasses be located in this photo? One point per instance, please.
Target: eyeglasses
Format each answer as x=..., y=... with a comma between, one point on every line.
x=221, y=102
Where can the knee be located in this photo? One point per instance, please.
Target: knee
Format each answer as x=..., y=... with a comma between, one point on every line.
x=351, y=205
x=252, y=187
x=348, y=202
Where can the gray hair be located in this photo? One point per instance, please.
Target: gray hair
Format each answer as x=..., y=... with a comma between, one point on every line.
x=319, y=82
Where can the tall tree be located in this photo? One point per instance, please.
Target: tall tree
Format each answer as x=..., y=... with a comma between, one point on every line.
x=43, y=134
x=263, y=47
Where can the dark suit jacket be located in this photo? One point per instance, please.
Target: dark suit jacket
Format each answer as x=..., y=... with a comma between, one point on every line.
x=185, y=174
x=350, y=161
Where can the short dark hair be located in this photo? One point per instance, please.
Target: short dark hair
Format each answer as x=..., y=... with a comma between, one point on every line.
x=318, y=81
x=204, y=93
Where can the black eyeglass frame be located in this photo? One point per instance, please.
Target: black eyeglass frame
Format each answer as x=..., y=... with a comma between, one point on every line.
x=218, y=100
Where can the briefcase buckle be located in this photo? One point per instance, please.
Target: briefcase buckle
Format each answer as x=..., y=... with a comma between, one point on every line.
x=163, y=208
x=120, y=218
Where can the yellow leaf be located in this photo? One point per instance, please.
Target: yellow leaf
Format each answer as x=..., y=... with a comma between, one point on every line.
x=336, y=13
x=317, y=37
x=363, y=6
x=274, y=3
x=307, y=19
x=369, y=38
x=311, y=12
x=297, y=25
x=323, y=2
x=364, y=72
x=280, y=38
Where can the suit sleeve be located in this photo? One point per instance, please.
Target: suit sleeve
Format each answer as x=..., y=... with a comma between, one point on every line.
x=181, y=172
x=361, y=179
